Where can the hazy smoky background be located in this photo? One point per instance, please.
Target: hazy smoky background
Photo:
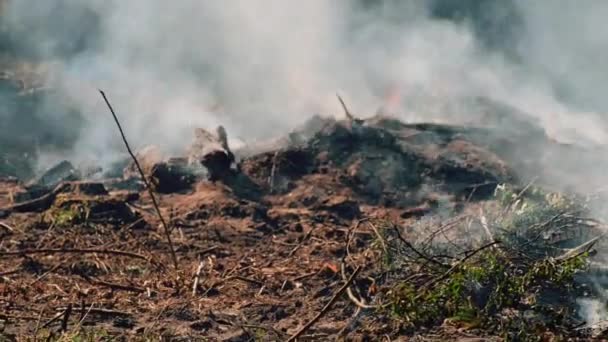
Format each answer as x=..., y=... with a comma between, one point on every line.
x=260, y=67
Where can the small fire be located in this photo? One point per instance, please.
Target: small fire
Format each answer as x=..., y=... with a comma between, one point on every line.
x=392, y=100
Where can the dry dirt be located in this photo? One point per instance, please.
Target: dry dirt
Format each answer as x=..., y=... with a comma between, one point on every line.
x=267, y=243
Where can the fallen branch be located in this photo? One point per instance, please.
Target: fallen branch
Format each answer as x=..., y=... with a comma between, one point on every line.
x=146, y=183
x=38, y=204
x=327, y=306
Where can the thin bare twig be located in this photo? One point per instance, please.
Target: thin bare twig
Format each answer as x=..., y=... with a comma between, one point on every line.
x=380, y=237
x=6, y=226
x=247, y=280
x=197, y=277
x=9, y=272
x=55, y=318
x=327, y=306
x=53, y=269
x=349, y=326
x=100, y=311
x=84, y=316
x=73, y=251
x=66, y=318
x=273, y=171
x=456, y=265
x=308, y=234
x=410, y=246
x=351, y=232
x=116, y=286
x=146, y=183
x=38, y=322
x=358, y=301
x=346, y=111
x=298, y=278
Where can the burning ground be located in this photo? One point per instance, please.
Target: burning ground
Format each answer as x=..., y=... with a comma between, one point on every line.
x=356, y=229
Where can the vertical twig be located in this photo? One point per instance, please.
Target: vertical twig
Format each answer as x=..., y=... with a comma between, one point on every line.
x=66, y=318
x=346, y=111
x=38, y=323
x=273, y=171
x=145, y=180
x=197, y=276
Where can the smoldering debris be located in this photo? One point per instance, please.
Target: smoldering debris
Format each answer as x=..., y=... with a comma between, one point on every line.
x=459, y=190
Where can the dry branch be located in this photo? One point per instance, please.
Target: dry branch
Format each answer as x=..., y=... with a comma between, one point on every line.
x=346, y=111
x=327, y=306
x=145, y=180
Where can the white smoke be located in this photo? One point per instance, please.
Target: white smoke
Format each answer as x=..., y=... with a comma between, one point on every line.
x=260, y=67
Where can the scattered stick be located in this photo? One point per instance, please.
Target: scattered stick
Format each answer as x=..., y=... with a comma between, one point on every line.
x=207, y=250
x=484, y=223
x=13, y=271
x=84, y=316
x=145, y=180
x=53, y=269
x=410, y=246
x=38, y=322
x=105, y=312
x=306, y=237
x=55, y=318
x=523, y=191
x=380, y=237
x=455, y=267
x=278, y=333
x=350, y=325
x=247, y=280
x=117, y=286
x=304, y=276
x=6, y=226
x=74, y=251
x=360, y=303
x=197, y=276
x=66, y=318
x=351, y=232
x=326, y=308
x=443, y=228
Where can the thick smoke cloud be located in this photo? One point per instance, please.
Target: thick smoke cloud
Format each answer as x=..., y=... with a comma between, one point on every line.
x=259, y=67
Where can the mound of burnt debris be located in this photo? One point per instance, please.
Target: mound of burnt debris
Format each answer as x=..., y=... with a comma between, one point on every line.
x=352, y=229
